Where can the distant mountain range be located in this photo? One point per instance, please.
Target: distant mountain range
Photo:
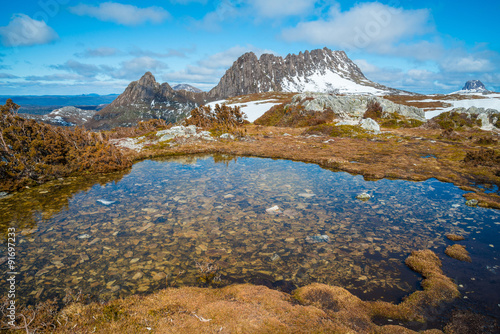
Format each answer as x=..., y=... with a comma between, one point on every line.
x=40, y=105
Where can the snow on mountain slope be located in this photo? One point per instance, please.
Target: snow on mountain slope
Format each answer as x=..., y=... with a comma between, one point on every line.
x=253, y=109
x=328, y=81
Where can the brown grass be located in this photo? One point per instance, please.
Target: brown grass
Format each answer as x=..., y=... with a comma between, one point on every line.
x=279, y=97
x=416, y=101
x=458, y=252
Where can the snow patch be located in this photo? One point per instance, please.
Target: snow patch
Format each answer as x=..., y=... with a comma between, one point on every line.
x=253, y=110
x=490, y=103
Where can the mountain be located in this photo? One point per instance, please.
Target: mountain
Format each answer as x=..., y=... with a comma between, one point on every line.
x=65, y=116
x=146, y=99
x=321, y=70
x=472, y=87
x=187, y=88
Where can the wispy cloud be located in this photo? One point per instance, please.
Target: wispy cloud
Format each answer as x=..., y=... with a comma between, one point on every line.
x=127, y=15
x=98, y=52
x=186, y=2
x=129, y=69
x=22, y=30
x=181, y=53
x=135, y=68
x=86, y=70
x=55, y=77
x=8, y=76
x=282, y=8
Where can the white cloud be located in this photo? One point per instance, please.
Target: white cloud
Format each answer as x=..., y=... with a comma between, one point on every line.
x=371, y=26
x=122, y=14
x=226, y=10
x=24, y=31
x=467, y=64
x=281, y=8
x=365, y=66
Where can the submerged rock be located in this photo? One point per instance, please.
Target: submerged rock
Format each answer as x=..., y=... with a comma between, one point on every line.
x=105, y=202
x=313, y=239
x=364, y=196
x=274, y=210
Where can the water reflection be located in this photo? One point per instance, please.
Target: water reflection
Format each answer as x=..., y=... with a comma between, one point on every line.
x=147, y=230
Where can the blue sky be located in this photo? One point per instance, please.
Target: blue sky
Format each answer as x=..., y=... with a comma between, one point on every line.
x=81, y=47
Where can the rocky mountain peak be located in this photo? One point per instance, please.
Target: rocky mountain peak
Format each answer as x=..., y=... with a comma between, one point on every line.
x=472, y=87
x=187, y=88
x=474, y=84
x=146, y=99
x=320, y=70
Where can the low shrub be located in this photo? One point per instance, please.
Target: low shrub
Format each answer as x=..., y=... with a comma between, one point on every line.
x=219, y=120
x=32, y=153
x=294, y=116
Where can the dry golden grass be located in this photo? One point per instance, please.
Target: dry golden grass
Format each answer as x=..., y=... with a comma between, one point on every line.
x=278, y=97
x=245, y=308
x=458, y=252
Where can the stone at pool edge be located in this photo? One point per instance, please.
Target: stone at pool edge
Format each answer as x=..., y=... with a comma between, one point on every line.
x=472, y=202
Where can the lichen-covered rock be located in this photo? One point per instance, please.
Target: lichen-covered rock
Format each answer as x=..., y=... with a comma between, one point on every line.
x=227, y=136
x=353, y=107
x=370, y=125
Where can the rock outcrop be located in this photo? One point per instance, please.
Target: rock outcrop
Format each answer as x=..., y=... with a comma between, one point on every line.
x=353, y=107
x=321, y=70
x=187, y=88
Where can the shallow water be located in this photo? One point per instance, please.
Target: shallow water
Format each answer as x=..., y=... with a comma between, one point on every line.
x=136, y=233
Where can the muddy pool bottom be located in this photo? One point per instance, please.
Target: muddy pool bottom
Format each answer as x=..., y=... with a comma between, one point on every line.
x=217, y=220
